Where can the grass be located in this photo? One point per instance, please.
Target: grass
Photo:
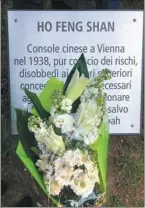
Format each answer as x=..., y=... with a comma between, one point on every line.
x=128, y=172
x=133, y=170
x=116, y=201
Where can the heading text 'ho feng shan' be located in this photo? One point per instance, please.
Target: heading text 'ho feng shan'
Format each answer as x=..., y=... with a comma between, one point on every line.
x=71, y=26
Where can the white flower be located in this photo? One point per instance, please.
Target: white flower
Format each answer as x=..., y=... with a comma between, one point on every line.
x=69, y=158
x=42, y=147
x=94, y=91
x=94, y=174
x=105, y=118
x=66, y=105
x=87, y=93
x=91, y=81
x=88, y=117
x=74, y=203
x=33, y=123
x=89, y=165
x=98, y=119
x=73, y=158
x=47, y=136
x=53, y=187
x=81, y=184
x=84, y=118
x=49, y=173
x=90, y=93
x=52, y=110
x=44, y=166
x=63, y=172
x=65, y=122
x=91, y=137
x=86, y=161
x=83, y=99
x=82, y=158
x=43, y=125
x=78, y=155
x=76, y=86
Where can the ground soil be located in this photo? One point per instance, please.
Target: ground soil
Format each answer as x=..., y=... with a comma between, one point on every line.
x=125, y=157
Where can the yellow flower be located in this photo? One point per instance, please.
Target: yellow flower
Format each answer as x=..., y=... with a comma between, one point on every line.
x=76, y=86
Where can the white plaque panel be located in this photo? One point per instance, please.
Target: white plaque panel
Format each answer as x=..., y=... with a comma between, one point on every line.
x=47, y=43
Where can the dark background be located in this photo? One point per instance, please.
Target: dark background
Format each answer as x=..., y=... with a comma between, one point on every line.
x=126, y=153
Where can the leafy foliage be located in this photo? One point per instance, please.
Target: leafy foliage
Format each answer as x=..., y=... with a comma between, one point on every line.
x=101, y=149
x=35, y=150
x=82, y=68
x=46, y=95
x=30, y=165
x=37, y=104
x=75, y=105
x=27, y=145
x=26, y=137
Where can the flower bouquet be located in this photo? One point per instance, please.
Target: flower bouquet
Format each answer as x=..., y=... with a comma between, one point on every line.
x=63, y=141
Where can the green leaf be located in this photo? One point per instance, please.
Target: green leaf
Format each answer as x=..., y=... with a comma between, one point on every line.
x=37, y=104
x=101, y=147
x=57, y=130
x=75, y=105
x=30, y=165
x=82, y=68
x=46, y=95
x=76, y=87
x=26, y=137
x=35, y=150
